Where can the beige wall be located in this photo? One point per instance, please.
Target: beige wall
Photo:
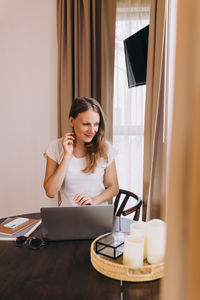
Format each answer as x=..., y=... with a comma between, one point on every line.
x=28, y=105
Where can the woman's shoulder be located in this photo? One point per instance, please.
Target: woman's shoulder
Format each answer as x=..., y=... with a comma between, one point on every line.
x=111, y=152
x=55, y=150
x=55, y=145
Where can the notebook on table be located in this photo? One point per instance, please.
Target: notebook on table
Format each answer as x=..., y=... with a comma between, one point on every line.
x=74, y=223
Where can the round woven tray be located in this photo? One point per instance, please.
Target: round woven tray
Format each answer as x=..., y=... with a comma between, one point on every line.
x=115, y=269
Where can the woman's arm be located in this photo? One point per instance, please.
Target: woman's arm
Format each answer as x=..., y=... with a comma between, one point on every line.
x=55, y=173
x=111, y=182
x=54, y=176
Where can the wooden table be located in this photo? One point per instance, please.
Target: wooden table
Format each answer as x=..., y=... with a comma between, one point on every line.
x=62, y=270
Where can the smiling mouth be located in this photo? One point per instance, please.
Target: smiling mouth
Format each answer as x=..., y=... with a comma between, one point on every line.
x=89, y=135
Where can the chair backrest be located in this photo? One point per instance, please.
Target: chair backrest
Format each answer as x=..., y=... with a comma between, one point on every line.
x=119, y=207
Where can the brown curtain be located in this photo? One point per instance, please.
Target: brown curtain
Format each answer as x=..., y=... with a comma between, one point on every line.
x=154, y=148
x=86, y=36
x=182, y=274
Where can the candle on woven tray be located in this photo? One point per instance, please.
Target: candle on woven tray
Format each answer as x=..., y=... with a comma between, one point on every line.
x=133, y=251
x=139, y=229
x=156, y=241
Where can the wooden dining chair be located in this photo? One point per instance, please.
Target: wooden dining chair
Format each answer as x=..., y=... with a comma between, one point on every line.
x=120, y=203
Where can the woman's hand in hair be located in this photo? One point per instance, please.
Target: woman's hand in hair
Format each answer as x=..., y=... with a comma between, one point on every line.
x=83, y=199
x=68, y=143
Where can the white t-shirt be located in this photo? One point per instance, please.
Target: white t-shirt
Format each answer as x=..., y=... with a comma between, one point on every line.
x=76, y=181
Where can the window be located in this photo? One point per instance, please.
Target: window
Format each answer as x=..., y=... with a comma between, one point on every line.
x=129, y=103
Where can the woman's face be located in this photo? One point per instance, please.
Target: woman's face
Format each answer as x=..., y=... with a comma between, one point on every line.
x=85, y=125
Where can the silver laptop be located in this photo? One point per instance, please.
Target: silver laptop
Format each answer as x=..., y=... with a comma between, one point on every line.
x=74, y=223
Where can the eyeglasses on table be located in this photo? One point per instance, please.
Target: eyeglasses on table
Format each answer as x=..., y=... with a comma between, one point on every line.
x=31, y=242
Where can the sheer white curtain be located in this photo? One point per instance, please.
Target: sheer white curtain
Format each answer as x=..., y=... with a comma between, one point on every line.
x=129, y=103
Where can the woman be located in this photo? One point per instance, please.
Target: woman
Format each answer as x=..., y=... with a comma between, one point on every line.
x=81, y=164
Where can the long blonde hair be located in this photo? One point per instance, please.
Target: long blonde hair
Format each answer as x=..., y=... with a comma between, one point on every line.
x=97, y=148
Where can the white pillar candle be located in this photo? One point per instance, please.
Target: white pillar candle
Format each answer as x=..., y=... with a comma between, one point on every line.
x=156, y=240
x=139, y=228
x=133, y=251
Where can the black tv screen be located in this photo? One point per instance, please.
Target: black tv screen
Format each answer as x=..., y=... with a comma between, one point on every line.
x=136, y=48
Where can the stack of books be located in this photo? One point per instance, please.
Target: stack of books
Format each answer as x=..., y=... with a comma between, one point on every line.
x=17, y=226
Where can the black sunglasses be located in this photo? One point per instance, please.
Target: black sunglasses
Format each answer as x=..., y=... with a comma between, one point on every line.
x=31, y=242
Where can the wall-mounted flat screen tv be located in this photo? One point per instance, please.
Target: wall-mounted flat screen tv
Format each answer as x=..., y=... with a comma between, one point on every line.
x=136, y=48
